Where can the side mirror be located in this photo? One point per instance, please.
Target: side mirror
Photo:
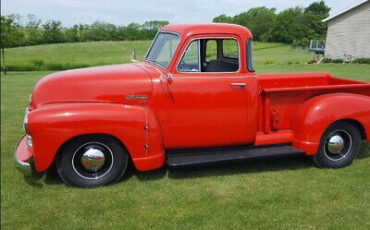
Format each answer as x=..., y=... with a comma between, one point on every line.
x=133, y=57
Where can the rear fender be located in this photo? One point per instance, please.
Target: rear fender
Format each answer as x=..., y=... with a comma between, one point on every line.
x=135, y=126
x=314, y=116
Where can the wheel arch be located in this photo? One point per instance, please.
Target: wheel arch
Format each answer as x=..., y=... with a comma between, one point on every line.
x=358, y=125
x=339, y=145
x=314, y=116
x=66, y=142
x=53, y=126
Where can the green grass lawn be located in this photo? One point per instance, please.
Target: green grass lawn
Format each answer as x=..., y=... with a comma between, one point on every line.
x=268, y=57
x=287, y=193
x=83, y=54
x=73, y=55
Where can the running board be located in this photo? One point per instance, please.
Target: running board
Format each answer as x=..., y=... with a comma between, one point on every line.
x=180, y=158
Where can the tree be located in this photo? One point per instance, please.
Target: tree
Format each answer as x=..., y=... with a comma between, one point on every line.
x=71, y=34
x=83, y=31
x=132, y=31
x=10, y=36
x=52, y=32
x=223, y=18
x=17, y=19
x=291, y=25
x=258, y=20
x=298, y=25
x=33, y=21
x=101, y=31
x=34, y=35
x=120, y=35
x=150, y=28
x=6, y=28
x=316, y=12
x=285, y=27
x=319, y=9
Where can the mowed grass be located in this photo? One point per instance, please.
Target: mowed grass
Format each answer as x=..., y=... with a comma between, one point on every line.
x=73, y=55
x=268, y=57
x=83, y=54
x=285, y=193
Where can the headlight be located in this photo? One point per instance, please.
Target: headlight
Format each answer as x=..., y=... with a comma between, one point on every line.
x=25, y=121
x=29, y=140
x=30, y=99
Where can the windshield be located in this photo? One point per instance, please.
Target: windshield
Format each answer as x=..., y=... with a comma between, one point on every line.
x=163, y=49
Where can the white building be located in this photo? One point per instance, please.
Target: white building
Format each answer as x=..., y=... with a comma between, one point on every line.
x=349, y=33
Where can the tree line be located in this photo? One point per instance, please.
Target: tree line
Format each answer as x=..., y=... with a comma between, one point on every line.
x=295, y=25
x=14, y=33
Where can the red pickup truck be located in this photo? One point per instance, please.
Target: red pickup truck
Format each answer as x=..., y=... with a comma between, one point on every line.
x=195, y=99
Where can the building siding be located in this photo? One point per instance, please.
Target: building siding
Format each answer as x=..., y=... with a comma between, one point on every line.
x=349, y=34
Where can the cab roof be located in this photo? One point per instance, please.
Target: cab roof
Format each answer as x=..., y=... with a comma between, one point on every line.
x=186, y=30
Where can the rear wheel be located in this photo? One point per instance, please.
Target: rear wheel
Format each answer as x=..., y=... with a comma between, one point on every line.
x=91, y=161
x=339, y=145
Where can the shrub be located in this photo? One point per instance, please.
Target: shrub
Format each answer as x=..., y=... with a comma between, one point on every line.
x=362, y=61
x=22, y=67
x=304, y=42
x=313, y=61
x=338, y=60
x=269, y=62
x=327, y=60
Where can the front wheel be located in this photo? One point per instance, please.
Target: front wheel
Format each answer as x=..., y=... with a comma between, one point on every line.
x=91, y=161
x=339, y=145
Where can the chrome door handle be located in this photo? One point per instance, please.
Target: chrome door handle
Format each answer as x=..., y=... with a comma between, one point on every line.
x=240, y=84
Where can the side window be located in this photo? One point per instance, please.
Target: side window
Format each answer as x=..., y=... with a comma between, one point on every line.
x=211, y=50
x=222, y=55
x=230, y=48
x=211, y=55
x=190, y=62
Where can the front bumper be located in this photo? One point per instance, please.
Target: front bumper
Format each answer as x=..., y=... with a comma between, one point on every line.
x=23, y=158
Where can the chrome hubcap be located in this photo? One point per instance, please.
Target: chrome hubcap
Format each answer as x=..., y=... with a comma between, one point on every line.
x=338, y=145
x=335, y=144
x=93, y=159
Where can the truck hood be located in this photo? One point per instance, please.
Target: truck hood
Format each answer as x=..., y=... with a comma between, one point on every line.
x=126, y=83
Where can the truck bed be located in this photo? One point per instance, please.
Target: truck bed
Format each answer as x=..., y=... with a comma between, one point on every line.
x=281, y=94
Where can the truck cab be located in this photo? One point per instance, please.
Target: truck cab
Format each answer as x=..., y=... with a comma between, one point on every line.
x=215, y=64
x=195, y=99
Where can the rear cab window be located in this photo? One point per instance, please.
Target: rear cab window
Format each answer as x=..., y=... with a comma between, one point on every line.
x=250, y=65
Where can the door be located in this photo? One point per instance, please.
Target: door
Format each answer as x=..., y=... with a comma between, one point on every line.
x=207, y=108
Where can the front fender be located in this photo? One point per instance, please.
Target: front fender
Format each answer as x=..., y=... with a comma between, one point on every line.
x=53, y=125
x=314, y=116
